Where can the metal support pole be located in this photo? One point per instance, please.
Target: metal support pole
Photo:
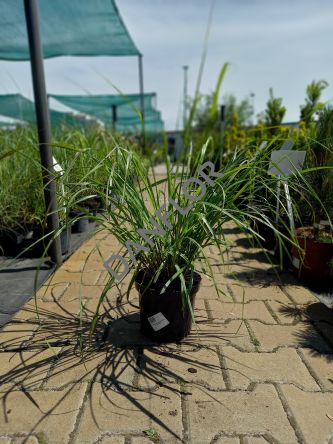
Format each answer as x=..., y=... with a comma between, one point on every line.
x=43, y=124
x=222, y=129
x=142, y=101
x=185, y=68
x=114, y=118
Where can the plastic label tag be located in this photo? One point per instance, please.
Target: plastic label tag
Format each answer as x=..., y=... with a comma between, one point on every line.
x=158, y=321
x=296, y=262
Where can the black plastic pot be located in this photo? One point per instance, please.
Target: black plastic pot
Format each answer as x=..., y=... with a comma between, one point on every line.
x=65, y=240
x=266, y=232
x=81, y=223
x=26, y=243
x=165, y=317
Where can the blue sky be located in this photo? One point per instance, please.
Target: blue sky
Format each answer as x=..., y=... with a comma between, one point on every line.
x=281, y=44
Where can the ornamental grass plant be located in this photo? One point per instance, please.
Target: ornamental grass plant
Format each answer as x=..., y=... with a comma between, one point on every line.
x=165, y=225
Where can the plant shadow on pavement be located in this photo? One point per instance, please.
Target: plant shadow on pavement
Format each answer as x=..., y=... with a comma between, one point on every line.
x=60, y=354
x=317, y=327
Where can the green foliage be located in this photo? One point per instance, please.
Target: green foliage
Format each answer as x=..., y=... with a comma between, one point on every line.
x=183, y=244
x=320, y=158
x=312, y=101
x=275, y=111
x=21, y=190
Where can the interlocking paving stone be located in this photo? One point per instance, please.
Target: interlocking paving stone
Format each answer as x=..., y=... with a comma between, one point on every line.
x=250, y=310
x=87, y=278
x=112, y=440
x=51, y=415
x=215, y=333
x=132, y=412
x=15, y=334
x=200, y=367
x=25, y=440
x=26, y=368
x=77, y=290
x=227, y=440
x=254, y=440
x=135, y=379
x=259, y=411
x=207, y=290
x=54, y=292
x=287, y=313
x=114, y=368
x=284, y=366
x=300, y=335
x=312, y=412
x=299, y=294
x=270, y=293
x=322, y=365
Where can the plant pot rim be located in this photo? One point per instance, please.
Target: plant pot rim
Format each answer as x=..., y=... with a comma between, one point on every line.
x=174, y=286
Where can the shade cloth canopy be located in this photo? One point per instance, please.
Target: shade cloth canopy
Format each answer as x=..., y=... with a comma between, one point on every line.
x=127, y=110
x=75, y=27
x=19, y=107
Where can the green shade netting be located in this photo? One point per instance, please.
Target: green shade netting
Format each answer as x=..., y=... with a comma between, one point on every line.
x=73, y=27
x=7, y=124
x=128, y=109
x=23, y=109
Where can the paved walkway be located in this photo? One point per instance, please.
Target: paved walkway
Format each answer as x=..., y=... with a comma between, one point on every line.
x=249, y=373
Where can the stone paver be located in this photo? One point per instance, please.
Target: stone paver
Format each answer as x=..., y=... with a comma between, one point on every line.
x=230, y=333
x=249, y=373
x=271, y=337
x=270, y=293
x=287, y=313
x=227, y=440
x=321, y=365
x=51, y=415
x=53, y=292
x=15, y=334
x=132, y=412
x=299, y=295
x=313, y=413
x=249, y=310
x=259, y=411
x=255, y=440
x=27, y=368
x=201, y=367
x=285, y=367
x=115, y=369
x=112, y=440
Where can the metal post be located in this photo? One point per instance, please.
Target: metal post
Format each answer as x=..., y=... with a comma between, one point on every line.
x=43, y=124
x=114, y=118
x=142, y=101
x=222, y=128
x=185, y=68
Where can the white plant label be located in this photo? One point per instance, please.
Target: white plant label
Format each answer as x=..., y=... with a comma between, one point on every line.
x=285, y=162
x=158, y=321
x=296, y=262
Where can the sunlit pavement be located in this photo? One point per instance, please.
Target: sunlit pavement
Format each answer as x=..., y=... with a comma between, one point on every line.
x=256, y=368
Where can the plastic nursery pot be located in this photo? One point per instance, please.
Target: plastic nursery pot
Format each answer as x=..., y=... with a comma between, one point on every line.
x=65, y=240
x=81, y=224
x=164, y=317
x=267, y=233
x=314, y=266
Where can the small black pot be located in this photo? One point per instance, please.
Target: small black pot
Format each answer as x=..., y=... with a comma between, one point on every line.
x=65, y=240
x=81, y=223
x=170, y=317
